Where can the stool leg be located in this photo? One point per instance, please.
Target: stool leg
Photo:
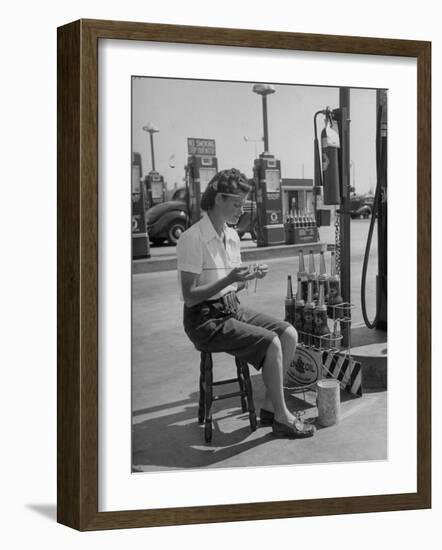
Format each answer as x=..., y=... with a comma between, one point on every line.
x=202, y=391
x=249, y=392
x=241, y=387
x=208, y=379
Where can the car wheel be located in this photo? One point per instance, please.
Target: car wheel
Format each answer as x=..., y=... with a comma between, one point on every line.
x=175, y=229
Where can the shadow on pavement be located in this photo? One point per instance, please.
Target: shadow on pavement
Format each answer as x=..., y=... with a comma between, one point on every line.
x=172, y=438
x=168, y=436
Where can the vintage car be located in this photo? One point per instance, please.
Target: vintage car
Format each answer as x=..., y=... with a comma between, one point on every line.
x=361, y=206
x=167, y=220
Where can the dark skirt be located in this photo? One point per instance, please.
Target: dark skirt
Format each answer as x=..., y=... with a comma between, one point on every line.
x=239, y=331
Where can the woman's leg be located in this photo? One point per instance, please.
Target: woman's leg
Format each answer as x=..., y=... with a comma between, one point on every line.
x=287, y=334
x=249, y=338
x=273, y=376
x=288, y=339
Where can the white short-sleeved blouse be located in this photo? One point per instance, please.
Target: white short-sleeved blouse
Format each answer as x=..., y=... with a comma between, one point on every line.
x=201, y=250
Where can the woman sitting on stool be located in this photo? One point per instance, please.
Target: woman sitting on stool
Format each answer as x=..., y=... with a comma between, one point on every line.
x=210, y=275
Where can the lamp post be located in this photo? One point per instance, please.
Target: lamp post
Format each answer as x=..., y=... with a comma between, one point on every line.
x=264, y=90
x=353, y=165
x=151, y=129
x=254, y=141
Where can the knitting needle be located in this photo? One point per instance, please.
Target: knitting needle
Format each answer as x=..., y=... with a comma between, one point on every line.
x=254, y=268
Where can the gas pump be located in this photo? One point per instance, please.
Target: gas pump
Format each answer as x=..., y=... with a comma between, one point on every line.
x=155, y=188
x=202, y=166
x=267, y=175
x=312, y=318
x=140, y=239
x=379, y=213
x=333, y=176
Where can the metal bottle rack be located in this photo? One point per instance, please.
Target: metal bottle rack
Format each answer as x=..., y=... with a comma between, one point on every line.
x=330, y=343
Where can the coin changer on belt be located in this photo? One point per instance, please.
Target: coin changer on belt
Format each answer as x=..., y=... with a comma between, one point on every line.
x=230, y=300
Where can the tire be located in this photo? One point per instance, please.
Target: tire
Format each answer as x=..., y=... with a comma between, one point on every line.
x=174, y=231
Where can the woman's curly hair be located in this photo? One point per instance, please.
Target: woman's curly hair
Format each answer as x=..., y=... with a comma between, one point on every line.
x=230, y=182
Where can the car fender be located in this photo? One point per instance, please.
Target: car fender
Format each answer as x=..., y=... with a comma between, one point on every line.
x=363, y=209
x=165, y=220
x=243, y=224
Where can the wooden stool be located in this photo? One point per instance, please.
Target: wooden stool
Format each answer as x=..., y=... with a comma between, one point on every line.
x=207, y=397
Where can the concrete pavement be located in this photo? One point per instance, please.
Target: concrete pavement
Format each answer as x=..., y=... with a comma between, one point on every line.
x=168, y=436
x=165, y=371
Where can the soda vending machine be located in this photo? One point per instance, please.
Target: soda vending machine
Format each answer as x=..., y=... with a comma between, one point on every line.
x=267, y=176
x=202, y=165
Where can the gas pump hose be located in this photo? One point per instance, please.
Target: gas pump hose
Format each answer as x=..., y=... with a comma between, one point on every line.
x=377, y=197
x=365, y=264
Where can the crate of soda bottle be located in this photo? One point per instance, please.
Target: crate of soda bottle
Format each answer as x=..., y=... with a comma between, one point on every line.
x=306, y=235
x=301, y=227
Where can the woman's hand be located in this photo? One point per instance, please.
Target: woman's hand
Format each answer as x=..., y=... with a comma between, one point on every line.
x=240, y=274
x=261, y=271
x=245, y=273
